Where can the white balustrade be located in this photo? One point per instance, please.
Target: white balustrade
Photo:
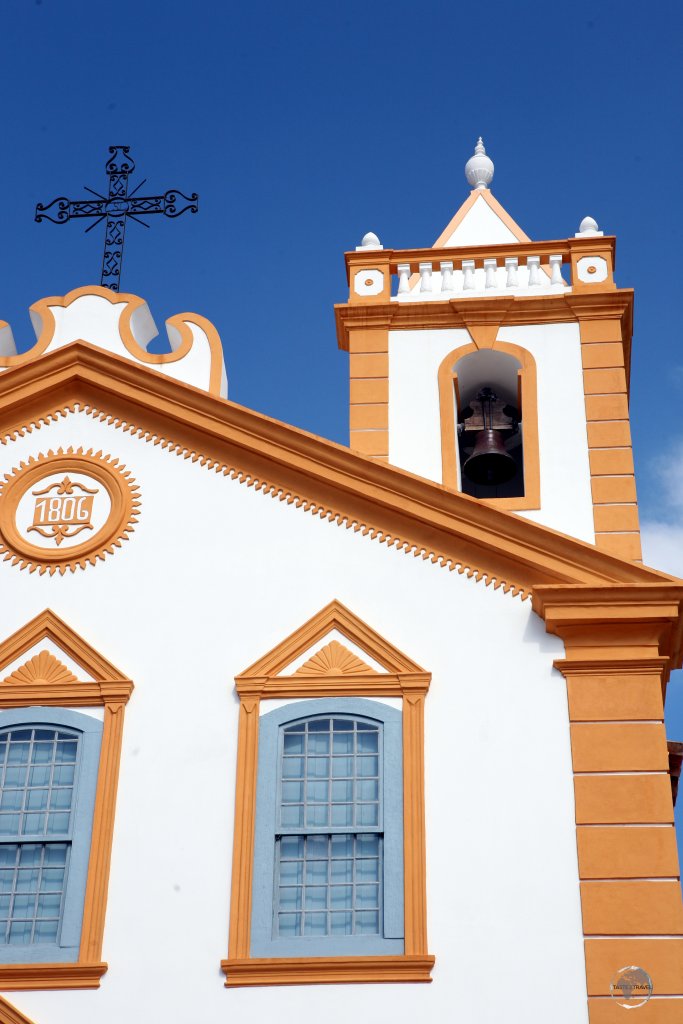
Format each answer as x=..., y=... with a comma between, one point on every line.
x=548, y=275
x=447, y=283
x=534, y=266
x=556, y=270
x=403, y=278
x=490, y=267
x=425, y=277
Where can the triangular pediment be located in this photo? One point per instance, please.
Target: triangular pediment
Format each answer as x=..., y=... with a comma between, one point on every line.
x=481, y=220
x=308, y=662
x=47, y=662
x=309, y=651
x=414, y=516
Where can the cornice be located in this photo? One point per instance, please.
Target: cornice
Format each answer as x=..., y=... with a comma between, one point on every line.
x=326, y=479
x=505, y=310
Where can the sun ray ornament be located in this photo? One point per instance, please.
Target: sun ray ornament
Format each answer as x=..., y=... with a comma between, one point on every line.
x=116, y=208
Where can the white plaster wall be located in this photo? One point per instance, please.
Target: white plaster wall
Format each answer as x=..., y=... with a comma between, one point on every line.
x=215, y=575
x=415, y=424
x=481, y=225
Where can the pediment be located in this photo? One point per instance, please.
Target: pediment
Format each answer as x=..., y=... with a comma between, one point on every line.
x=47, y=662
x=414, y=516
x=331, y=651
x=481, y=220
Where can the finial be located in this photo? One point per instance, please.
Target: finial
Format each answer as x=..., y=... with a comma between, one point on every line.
x=369, y=241
x=479, y=168
x=587, y=227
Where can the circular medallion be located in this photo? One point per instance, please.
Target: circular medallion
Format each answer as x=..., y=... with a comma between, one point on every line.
x=65, y=509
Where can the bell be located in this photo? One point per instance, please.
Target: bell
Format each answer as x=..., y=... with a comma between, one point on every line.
x=490, y=463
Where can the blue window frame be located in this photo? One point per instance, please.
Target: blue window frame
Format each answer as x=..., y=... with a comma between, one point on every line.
x=328, y=859
x=49, y=760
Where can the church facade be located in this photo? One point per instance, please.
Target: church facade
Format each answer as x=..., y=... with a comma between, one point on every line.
x=293, y=728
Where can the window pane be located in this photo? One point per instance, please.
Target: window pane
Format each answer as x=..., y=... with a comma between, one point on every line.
x=291, y=846
x=342, y=743
x=367, y=814
x=341, y=924
x=342, y=814
x=319, y=743
x=292, y=816
x=289, y=924
x=294, y=744
x=342, y=791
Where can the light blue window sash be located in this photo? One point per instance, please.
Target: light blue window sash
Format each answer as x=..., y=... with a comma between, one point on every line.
x=265, y=940
x=76, y=838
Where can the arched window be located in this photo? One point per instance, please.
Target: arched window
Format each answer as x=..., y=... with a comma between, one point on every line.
x=48, y=774
x=489, y=419
x=329, y=849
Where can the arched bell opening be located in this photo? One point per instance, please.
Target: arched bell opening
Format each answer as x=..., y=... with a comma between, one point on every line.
x=489, y=418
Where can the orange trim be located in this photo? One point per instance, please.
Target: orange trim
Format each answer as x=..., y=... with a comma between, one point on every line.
x=10, y=1015
x=123, y=514
x=327, y=970
x=112, y=690
x=447, y=379
x=178, y=322
x=31, y=977
x=403, y=678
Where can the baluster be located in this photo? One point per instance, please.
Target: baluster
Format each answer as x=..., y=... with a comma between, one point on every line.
x=468, y=273
x=490, y=267
x=556, y=270
x=511, y=264
x=534, y=264
x=403, y=278
x=446, y=275
x=425, y=277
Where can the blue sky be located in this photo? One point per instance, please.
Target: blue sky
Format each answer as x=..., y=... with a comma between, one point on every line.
x=304, y=125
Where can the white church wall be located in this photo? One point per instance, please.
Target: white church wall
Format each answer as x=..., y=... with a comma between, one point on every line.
x=215, y=575
x=415, y=423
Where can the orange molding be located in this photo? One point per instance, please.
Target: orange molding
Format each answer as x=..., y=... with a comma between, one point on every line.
x=403, y=678
x=447, y=379
x=327, y=970
x=10, y=1015
x=114, y=478
x=327, y=480
x=111, y=690
x=179, y=322
x=510, y=311
x=25, y=977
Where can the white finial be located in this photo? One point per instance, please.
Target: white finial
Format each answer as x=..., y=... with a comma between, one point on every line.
x=369, y=241
x=479, y=168
x=588, y=227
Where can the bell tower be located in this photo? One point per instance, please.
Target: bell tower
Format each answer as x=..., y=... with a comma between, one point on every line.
x=498, y=367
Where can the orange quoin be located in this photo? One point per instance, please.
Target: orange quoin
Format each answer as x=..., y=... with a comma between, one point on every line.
x=327, y=641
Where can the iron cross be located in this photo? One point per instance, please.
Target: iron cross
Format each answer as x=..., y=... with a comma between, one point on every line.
x=116, y=208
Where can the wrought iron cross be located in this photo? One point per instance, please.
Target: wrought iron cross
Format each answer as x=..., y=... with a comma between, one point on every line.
x=116, y=208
